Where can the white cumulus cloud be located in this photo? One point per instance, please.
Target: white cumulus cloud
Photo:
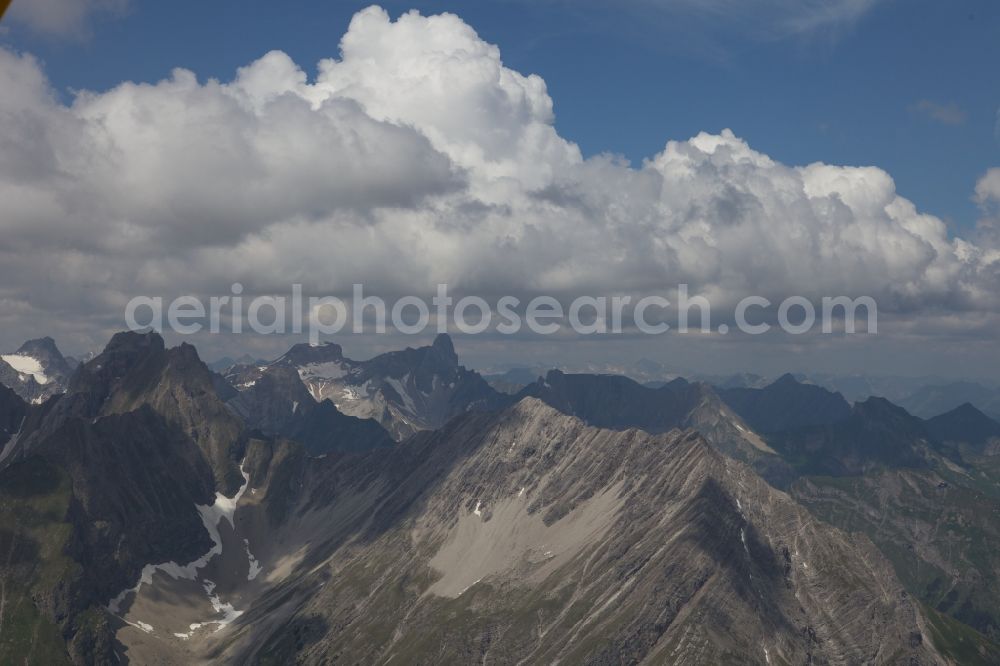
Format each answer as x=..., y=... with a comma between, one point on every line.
x=416, y=157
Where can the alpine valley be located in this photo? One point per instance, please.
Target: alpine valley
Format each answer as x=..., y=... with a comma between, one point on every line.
x=317, y=509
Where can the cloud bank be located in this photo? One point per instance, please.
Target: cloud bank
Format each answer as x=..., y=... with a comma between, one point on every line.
x=63, y=18
x=778, y=18
x=946, y=114
x=413, y=158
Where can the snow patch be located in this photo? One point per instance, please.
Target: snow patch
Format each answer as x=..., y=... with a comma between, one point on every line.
x=351, y=393
x=329, y=370
x=255, y=567
x=746, y=548
x=26, y=365
x=148, y=628
x=211, y=516
x=478, y=506
x=228, y=612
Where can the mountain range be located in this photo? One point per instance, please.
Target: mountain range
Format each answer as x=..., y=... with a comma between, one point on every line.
x=320, y=509
x=405, y=391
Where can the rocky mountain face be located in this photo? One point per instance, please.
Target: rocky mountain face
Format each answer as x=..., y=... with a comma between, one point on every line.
x=36, y=371
x=405, y=391
x=938, y=531
x=137, y=370
x=926, y=493
x=131, y=474
x=13, y=411
x=225, y=363
x=99, y=482
x=156, y=512
x=876, y=433
x=786, y=404
x=279, y=404
x=530, y=537
x=616, y=402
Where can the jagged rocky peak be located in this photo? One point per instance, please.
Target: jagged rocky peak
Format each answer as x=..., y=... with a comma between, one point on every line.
x=126, y=346
x=875, y=433
x=878, y=409
x=445, y=348
x=137, y=356
x=439, y=358
x=284, y=378
x=136, y=370
x=968, y=411
x=36, y=371
x=276, y=397
x=964, y=424
x=305, y=353
x=676, y=383
x=278, y=403
x=552, y=377
x=787, y=379
x=406, y=391
x=124, y=353
x=43, y=349
x=966, y=414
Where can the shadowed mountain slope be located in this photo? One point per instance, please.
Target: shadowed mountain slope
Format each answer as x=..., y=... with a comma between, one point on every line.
x=786, y=404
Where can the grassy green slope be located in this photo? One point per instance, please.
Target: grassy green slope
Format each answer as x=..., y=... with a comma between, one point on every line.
x=34, y=496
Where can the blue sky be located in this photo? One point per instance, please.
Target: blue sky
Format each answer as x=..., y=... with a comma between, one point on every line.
x=627, y=76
